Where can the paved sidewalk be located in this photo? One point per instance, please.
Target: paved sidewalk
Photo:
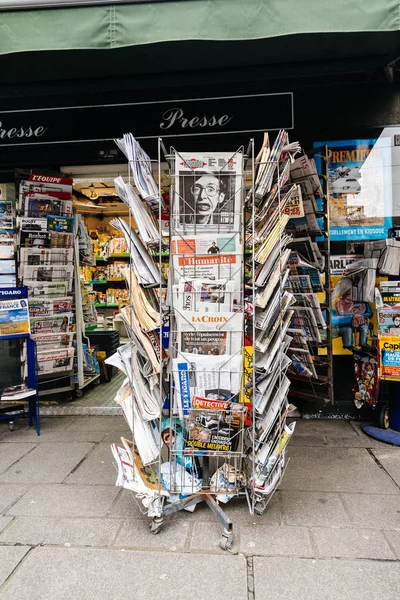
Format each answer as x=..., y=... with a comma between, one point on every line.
x=332, y=530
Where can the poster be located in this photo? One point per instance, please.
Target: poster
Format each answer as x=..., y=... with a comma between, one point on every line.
x=14, y=313
x=351, y=321
x=389, y=354
x=360, y=188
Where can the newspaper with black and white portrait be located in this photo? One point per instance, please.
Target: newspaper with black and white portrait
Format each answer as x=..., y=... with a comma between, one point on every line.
x=208, y=192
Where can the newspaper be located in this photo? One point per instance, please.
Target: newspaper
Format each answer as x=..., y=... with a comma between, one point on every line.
x=53, y=289
x=213, y=257
x=146, y=224
x=57, y=273
x=207, y=377
x=50, y=306
x=60, y=323
x=7, y=267
x=45, y=256
x=203, y=295
x=208, y=192
x=310, y=300
x=55, y=361
x=49, y=341
x=304, y=320
x=7, y=250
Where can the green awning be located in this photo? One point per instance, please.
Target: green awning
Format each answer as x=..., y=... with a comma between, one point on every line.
x=108, y=27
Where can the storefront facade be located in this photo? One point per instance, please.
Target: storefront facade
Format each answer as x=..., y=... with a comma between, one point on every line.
x=64, y=98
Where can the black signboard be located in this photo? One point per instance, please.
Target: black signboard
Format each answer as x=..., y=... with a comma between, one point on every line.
x=146, y=120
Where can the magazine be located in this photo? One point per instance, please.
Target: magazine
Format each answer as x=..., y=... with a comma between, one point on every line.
x=33, y=223
x=55, y=361
x=7, y=267
x=6, y=250
x=14, y=314
x=39, y=205
x=213, y=425
x=208, y=192
x=35, y=238
x=60, y=224
x=6, y=215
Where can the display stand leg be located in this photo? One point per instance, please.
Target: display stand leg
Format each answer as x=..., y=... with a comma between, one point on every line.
x=227, y=535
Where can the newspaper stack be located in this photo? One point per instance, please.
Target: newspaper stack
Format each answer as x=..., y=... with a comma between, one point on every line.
x=46, y=237
x=7, y=236
x=276, y=201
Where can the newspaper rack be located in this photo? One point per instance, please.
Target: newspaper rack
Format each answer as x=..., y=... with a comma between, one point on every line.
x=208, y=411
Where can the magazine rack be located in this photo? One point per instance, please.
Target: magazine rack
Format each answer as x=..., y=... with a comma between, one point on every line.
x=13, y=411
x=208, y=414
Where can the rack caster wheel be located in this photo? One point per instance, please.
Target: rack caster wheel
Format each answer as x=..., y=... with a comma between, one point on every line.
x=78, y=393
x=155, y=525
x=11, y=426
x=259, y=509
x=383, y=418
x=226, y=543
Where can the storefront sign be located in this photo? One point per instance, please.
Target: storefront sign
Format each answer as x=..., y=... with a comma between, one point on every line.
x=166, y=119
x=360, y=188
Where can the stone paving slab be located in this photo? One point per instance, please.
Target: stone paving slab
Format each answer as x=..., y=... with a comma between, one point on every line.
x=390, y=460
x=9, y=494
x=370, y=442
x=98, y=468
x=91, y=423
x=375, y=511
x=9, y=559
x=58, y=500
x=126, y=506
x=136, y=534
x=47, y=463
x=310, y=508
x=118, y=575
x=351, y=543
x=308, y=579
x=10, y=453
x=268, y=540
x=4, y=521
x=335, y=470
x=393, y=538
x=50, y=530
x=29, y=435
x=335, y=427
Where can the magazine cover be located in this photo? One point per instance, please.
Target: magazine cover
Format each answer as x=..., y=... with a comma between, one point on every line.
x=35, y=238
x=214, y=424
x=7, y=267
x=37, y=205
x=366, y=382
x=8, y=281
x=208, y=192
x=389, y=357
x=33, y=223
x=360, y=188
x=6, y=215
x=389, y=320
x=60, y=224
x=6, y=250
x=14, y=314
